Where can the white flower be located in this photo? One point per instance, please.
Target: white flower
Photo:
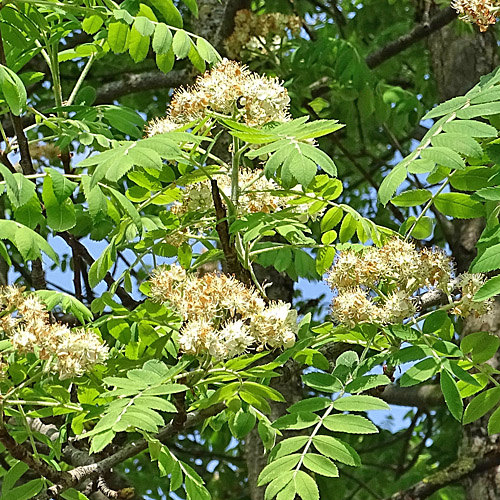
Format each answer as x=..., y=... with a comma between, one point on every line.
x=480, y=12
x=160, y=126
x=236, y=338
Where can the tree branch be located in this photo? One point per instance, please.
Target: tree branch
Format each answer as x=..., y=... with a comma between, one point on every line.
x=420, y=31
x=233, y=264
x=73, y=242
x=457, y=471
x=150, y=80
x=421, y=396
x=19, y=452
x=97, y=469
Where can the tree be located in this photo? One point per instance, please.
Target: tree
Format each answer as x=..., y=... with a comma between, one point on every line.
x=153, y=344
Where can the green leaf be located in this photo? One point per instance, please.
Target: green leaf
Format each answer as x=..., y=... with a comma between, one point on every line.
x=391, y=183
x=487, y=261
x=27, y=241
x=60, y=215
x=92, y=24
x=26, y=491
x=320, y=465
x=336, y=450
x=12, y=186
x=459, y=142
x=452, y=395
x=471, y=179
x=310, y=404
x=206, y=51
x=162, y=39
x=444, y=156
x=446, y=107
x=481, y=405
x=412, y=198
x=170, y=13
x=494, y=422
x=192, y=6
x=420, y=372
x=117, y=37
x=13, y=475
x=360, y=403
x=25, y=190
x=144, y=26
x=490, y=289
x=67, y=303
x=242, y=423
x=352, y=424
x=300, y=420
x=181, y=44
x=278, y=484
x=471, y=128
x=165, y=62
x=138, y=45
x=366, y=382
x=481, y=346
x=288, y=446
x=13, y=90
x=490, y=108
x=278, y=467
x=324, y=382
x=61, y=186
x=300, y=167
x=306, y=486
x=458, y=205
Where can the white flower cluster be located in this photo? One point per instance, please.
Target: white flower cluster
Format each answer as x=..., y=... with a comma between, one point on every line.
x=469, y=284
x=480, y=12
x=256, y=31
x=27, y=323
x=222, y=317
x=256, y=196
x=232, y=90
x=160, y=126
x=377, y=285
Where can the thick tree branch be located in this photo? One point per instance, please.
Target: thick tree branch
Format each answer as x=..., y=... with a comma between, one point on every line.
x=19, y=452
x=141, y=82
x=462, y=468
x=422, y=396
x=419, y=32
x=97, y=469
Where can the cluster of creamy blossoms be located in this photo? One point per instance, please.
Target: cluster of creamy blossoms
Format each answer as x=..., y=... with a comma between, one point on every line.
x=257, y=195
x=251, y=31
x=480, y=12
x=377, y=285
x=232, y=90
x=222, y=317
x=469, y=284
x=27, y=323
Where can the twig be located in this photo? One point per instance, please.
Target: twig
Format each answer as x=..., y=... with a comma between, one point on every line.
x=126, y=299
x=420, y=31
x=233, y=264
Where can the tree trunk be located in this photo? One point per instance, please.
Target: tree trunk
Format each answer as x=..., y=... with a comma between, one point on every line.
x=458, y=61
